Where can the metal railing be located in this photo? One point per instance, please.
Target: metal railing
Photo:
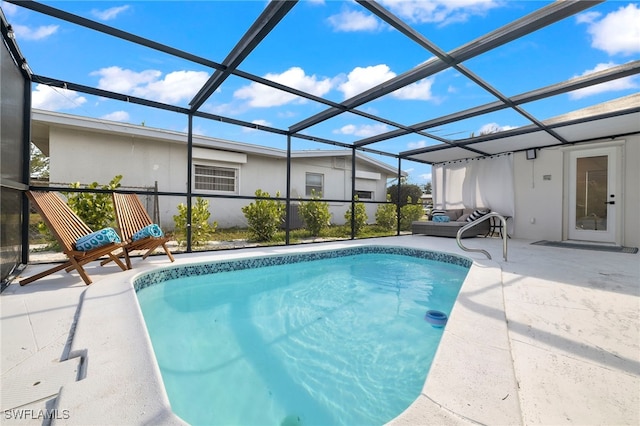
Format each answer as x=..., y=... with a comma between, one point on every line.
x=477, y=221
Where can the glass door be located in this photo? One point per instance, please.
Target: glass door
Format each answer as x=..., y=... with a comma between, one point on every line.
x=593, y=204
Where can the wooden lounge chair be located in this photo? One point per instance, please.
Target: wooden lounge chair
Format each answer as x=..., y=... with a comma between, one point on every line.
x=133, y=217
x=67, y=227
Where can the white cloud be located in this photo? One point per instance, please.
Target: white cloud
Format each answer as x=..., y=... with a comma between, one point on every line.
x=175, y=87
x=493, y=128
x=352, y=20
x=8, y=8
x=588, y=17
x=439, y=11
x=261, y=96
x=426, y=177
x=197, y=130
x=362, y=131
x=55, y=99
x=124, y=81
x=108, y=14
x=117, y=116
x=420, y=90
x=416, y=145
x=616, y=33
x=361, y=79
x=25, y=33
x=258, y=122
x=610, y=86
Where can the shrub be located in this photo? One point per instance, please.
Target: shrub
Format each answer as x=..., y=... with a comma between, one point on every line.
x=406, y=190
x=315, y=214
x=387, y=215
x=264, y=216
x=95, y=209
x=201, y=229
x=408, y=213
x=360, y=216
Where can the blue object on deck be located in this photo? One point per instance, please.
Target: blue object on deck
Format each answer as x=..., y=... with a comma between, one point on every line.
x=436, y=318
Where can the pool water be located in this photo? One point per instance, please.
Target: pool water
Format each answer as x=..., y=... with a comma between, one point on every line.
x=324, y=342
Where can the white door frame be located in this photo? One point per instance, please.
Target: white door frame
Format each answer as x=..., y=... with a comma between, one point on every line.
x=613, y=234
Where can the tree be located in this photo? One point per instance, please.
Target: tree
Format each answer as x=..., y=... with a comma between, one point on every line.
x=39, y=163
x=407, y=190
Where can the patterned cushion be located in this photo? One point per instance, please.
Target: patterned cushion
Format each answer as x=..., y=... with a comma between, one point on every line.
x=477, y=214
x=438, y=212
x=441, y=218
x=152, y=230
x=463, y=218
x=97, y=239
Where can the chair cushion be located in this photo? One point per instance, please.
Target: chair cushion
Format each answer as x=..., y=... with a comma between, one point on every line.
x=438, y=212
x=97, y=239
x=441, y=218
x=477, y=214
x=152, y=230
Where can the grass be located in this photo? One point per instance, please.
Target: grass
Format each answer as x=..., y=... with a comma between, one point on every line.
x=235, y=235
x=301, y=235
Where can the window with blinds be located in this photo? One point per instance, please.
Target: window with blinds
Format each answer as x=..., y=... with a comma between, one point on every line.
x=314, y=182
x=212, y=178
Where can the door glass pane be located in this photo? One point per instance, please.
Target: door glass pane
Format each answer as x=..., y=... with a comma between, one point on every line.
x=591, y=193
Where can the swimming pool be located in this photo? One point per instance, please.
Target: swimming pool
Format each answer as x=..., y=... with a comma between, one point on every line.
x=351, y=347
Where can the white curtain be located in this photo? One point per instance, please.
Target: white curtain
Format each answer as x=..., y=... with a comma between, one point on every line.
x=485, y=182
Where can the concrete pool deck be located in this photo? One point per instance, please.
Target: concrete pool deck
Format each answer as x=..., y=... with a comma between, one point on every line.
x=552, y=336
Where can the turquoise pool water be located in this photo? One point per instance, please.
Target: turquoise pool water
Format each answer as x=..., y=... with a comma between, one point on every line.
x=327, y=341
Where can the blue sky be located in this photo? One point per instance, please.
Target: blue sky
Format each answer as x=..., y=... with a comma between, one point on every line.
x=332, y=49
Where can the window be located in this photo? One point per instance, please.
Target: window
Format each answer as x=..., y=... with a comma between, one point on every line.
x=212, y=178
x=364, y=195
x=314, y=181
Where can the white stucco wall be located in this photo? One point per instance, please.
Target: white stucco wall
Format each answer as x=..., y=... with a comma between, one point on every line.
x=631, y=211
x=538, y=200
x=94, y=156
x=543, y=202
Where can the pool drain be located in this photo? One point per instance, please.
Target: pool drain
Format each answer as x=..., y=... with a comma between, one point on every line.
x=291, y=420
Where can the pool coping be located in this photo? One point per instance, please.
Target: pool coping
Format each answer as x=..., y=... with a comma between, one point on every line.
x=129, y=389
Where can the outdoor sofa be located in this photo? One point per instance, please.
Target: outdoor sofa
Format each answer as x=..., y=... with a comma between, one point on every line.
x=457, y=219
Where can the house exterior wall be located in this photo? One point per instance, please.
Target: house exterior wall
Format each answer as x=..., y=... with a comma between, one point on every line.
x=631, y=195
x=544, y=202
x=95, y=156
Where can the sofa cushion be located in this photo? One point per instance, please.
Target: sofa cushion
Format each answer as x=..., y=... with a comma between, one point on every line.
x=454, y=214
x=441, y=218
x=477, y=214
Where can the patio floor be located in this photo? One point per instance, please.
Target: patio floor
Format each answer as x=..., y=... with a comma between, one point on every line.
x=552, y=336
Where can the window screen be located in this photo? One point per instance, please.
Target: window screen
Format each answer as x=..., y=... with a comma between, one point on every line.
x=212, y=178
x=314, y=182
